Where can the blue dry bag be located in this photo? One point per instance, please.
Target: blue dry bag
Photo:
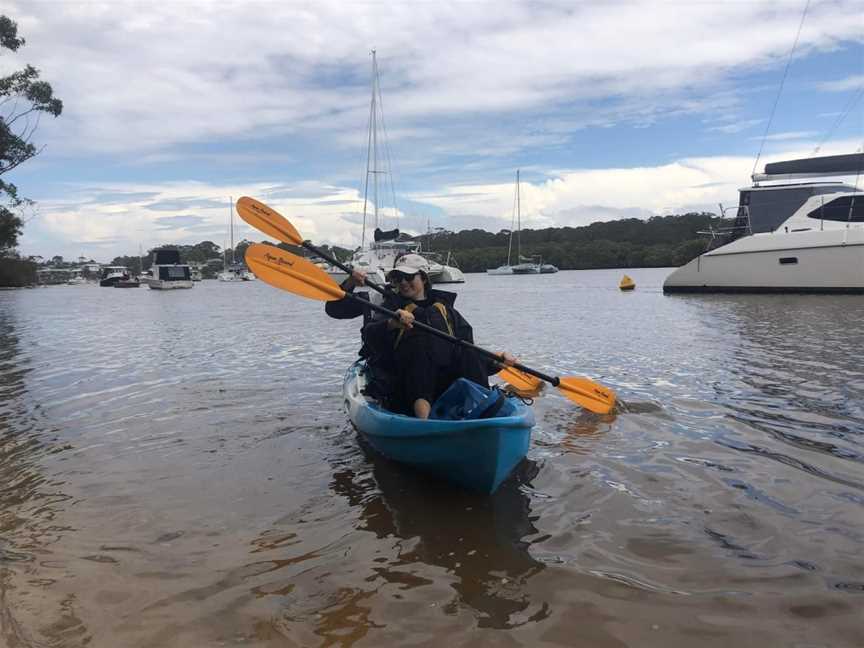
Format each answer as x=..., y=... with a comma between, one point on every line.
x=467, y=400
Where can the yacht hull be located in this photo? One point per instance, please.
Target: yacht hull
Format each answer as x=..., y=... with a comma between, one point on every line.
x=158, y=284
x=802, y=262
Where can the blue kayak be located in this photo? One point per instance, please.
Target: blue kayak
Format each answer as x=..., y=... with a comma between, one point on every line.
x=477, y=454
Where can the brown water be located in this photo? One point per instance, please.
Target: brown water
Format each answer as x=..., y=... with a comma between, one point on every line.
x=176, y=469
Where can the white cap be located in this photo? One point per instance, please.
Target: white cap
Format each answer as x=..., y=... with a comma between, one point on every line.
x=411, y=263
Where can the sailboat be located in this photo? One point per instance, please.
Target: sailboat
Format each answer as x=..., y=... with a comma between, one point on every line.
x=522, y=267
x=378, y=256
x=233, y=271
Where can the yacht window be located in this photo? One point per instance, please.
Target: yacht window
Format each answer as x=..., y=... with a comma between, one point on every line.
x=838, y=210
x=170, y=273
x=788, y=260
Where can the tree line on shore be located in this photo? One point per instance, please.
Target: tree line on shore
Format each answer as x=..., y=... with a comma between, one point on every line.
x=660, y=241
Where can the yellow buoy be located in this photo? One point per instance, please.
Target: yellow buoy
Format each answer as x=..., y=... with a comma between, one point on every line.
x=626, y=283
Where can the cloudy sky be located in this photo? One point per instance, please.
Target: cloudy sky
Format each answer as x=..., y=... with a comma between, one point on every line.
x=610, y=110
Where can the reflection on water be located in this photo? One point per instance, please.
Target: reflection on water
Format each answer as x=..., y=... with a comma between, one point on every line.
x=29, y=501
x=490, y=558
x=177, y=470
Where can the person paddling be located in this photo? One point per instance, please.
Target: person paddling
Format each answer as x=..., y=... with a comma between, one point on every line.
x=424, y=364
x=379, y=363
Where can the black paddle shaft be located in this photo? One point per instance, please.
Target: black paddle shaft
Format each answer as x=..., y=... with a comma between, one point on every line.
x=450, y=338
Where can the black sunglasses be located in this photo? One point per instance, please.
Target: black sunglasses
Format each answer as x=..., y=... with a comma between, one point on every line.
x=396, y=276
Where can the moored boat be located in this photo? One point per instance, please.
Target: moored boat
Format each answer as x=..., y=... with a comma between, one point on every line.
x=168, y=273
x=477, y=454
x=112, y=274
x=790, y=234
x=524, y=266
x=378, y=256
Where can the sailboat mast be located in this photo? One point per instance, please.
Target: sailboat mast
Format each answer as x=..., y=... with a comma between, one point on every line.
x=231, y=211
x=375, y=92
x=518, y=221
x=512, y=222
x=368, y=159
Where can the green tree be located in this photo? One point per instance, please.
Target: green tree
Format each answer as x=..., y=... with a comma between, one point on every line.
x=23, y=97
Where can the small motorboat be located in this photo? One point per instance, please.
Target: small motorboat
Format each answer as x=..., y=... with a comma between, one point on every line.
x=127, y=283
x=477, y=454
x=627, y=283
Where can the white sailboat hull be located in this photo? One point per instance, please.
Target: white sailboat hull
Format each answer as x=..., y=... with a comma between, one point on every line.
x=521, y=269
x=450, y=275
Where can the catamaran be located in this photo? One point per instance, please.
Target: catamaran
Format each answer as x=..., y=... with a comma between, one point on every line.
x=792, y=236
x=377, y=257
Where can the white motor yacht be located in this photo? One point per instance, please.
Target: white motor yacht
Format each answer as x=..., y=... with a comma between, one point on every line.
x=789, y=235
x=167, y=273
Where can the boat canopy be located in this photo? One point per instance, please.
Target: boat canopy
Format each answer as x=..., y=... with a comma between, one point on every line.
x=386, y=235
x=167, y=257
x=828, y=165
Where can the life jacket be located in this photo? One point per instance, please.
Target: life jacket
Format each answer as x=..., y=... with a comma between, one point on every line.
x=441, y=308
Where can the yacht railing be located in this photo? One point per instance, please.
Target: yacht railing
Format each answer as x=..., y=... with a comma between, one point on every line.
x=723, y=235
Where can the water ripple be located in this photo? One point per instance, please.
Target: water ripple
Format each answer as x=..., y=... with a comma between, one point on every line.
x=177, y=469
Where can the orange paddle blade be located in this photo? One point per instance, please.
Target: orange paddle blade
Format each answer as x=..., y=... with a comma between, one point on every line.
x=268, y=220
x=587, y=393
x=291, y=272
x=519, y=379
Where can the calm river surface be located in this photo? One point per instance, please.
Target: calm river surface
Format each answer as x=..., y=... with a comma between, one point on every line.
x=177, y=469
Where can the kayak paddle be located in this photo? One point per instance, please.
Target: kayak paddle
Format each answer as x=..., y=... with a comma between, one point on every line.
x=274, y=224
x=295, y=274
x=271, y=222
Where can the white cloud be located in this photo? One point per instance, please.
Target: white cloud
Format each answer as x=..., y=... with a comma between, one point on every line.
x=854, y=82
x=147, y=76
x=790, y=135
x=736, y=127
x=113, y=219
